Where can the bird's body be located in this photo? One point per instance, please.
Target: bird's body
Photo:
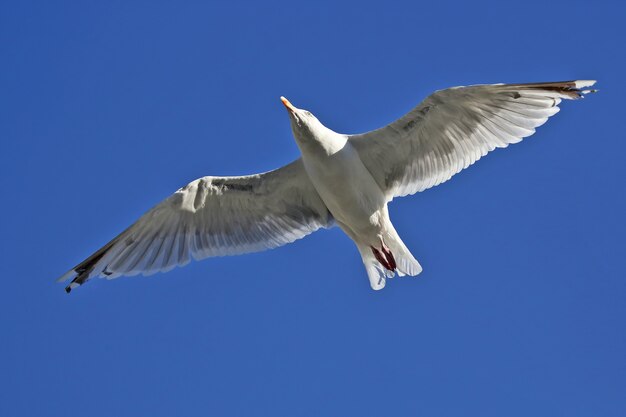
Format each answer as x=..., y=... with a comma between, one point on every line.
x=346, y=180
x=346, y=187
x=352, y=196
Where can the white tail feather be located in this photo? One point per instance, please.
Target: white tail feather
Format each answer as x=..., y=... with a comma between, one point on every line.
x=376, y=273
x=405, y=262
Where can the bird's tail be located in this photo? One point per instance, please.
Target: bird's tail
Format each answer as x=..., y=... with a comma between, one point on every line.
x=383, y=262
x=406, y=263
x=376, y=272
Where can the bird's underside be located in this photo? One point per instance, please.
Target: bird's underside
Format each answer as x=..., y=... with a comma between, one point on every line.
x=215, y=216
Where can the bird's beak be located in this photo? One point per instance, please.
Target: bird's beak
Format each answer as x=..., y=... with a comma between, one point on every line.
x=288, y=105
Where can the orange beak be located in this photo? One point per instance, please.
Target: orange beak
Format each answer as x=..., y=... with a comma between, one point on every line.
x=287, y=104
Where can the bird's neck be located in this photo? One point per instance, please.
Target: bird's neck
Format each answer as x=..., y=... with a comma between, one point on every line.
x=320, y=142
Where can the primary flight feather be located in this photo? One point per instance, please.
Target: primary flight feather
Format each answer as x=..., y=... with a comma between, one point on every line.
x=346, y=180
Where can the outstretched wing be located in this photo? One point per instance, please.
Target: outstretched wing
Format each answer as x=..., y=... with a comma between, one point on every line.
x=212, y=216
x=453, y=128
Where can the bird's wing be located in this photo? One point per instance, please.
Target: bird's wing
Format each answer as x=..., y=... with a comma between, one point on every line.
x=212, y=216
x=453, y=128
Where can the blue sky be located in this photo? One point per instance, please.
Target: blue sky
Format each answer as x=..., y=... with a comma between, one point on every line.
x=108, y=107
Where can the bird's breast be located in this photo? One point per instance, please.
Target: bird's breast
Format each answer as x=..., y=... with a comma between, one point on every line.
x=345, y=185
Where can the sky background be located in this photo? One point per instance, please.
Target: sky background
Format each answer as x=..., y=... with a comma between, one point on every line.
x=108, y=107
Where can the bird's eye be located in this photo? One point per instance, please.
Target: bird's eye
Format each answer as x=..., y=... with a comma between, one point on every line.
x=308, y=113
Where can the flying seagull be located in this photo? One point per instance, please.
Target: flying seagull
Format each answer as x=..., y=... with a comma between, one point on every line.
x=344, y=180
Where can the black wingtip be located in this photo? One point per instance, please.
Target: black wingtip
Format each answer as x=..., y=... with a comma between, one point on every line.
x=72, y=285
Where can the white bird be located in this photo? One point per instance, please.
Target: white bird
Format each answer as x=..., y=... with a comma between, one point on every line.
x=346, y=180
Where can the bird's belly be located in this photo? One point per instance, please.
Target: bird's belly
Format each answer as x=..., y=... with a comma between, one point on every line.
x=348, y=189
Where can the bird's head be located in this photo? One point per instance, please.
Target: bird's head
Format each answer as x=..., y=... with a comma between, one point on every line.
x=304, y=125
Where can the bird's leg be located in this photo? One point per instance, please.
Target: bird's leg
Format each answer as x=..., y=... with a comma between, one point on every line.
x=381, y=258
x=387, y=252
x=384, y=256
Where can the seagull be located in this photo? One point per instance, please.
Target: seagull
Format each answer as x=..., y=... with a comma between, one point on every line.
x=343, y=180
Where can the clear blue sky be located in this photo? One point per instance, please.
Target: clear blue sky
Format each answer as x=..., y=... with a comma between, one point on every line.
x=108, y=107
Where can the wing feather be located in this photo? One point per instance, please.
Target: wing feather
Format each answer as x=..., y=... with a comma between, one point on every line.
x=212, y=216
x=453, y=128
